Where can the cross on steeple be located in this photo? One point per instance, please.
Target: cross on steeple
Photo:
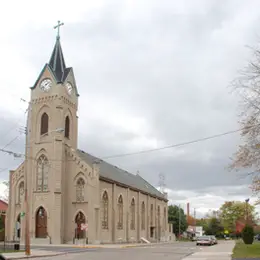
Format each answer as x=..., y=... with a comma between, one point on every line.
x=58, y=29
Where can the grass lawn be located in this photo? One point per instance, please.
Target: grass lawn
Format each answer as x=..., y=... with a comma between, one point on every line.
x=246, y=251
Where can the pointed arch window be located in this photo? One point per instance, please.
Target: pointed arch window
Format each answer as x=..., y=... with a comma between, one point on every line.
x=132, y=212
x=164, y=218
x=143, y=216
x=42, y=173
x=120, y=212
x=44, y=124
x=67, y=127
x=80, y=190
x=158, y=216
x=105, y=210
x=20, y=192
x=151, y=215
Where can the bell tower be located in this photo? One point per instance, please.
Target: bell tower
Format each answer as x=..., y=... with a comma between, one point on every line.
x=52, y=125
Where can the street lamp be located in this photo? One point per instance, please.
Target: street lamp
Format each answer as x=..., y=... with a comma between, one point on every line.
x=247, y=200
x=27, y=154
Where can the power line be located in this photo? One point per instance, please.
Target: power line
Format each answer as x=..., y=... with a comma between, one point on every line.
x=180, y=144
x=19, y=155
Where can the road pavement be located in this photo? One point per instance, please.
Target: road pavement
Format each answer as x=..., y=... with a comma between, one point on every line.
x=174, y=251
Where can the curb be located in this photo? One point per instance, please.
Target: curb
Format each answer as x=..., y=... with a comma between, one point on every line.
x=79, y=246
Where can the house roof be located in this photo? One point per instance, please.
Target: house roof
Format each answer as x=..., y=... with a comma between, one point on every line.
x=115, y=174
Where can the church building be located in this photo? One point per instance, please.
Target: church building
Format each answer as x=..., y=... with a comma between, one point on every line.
x=74, y=196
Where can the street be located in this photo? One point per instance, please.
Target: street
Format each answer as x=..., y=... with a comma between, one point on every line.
x=174, y=251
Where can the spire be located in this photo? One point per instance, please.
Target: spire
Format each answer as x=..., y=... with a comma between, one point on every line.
x=57, y=62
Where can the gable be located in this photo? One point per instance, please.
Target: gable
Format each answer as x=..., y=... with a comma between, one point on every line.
x=115, y=174
x=69, y=76
x=46, y=67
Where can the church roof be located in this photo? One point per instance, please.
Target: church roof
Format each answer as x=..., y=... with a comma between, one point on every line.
x=115, y=174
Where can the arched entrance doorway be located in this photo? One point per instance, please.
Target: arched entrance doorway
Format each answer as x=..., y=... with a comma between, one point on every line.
x=41, y=223
x=80, y=219
x=18, y=226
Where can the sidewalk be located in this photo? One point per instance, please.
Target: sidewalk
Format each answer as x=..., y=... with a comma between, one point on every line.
x=121, y=245
x=34, y=253
x=222, y=251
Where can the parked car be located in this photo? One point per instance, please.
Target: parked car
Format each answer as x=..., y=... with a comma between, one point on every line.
x=214, y=239
x=257, y=237
x=204, y=240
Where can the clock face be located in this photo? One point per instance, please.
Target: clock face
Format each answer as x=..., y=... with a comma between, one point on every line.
x=46, y=85
x=69, y=88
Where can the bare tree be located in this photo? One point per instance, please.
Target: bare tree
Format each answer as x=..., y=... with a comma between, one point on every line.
x=247, y=85
x=5, y=195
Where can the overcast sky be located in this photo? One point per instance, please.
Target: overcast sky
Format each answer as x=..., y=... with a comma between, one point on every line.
x=150, y=74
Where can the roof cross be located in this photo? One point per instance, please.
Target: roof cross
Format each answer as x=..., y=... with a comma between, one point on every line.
x=58, y=28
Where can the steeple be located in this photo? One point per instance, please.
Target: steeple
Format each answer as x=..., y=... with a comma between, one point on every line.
x=56, y=65
x=57, y=62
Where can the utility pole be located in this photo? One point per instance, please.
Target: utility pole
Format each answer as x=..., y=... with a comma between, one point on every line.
x=195, y=229
x=179, y=221
x=194, y=217
x=162, y=182
x=27, y=210
x=247, y=200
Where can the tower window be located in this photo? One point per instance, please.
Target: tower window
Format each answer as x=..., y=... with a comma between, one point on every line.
x=44, y=123
x=67, y=127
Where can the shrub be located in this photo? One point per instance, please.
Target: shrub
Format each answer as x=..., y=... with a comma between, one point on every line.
x=248, y=235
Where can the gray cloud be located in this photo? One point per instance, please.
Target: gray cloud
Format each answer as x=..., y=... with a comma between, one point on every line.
x=149, y=76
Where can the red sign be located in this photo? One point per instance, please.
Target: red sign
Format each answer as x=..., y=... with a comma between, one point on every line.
x=84, y=226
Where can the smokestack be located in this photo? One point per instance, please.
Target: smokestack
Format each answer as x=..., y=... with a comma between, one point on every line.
x=188, y=212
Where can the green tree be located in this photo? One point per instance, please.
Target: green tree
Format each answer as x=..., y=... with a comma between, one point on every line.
x=203, y=222
x=248, y=235
x=214, y=227
x=231, y=211
x=174, y=215
x=2, y=224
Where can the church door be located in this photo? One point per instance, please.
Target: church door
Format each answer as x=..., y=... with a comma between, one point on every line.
x=80, y=219
x=41, y=223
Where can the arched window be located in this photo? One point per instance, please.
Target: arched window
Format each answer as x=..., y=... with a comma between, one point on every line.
x=80, y=190
x=67, y=127
x=151, y=215
x=44, y=124
x=120, y=212
x=158, y=216
x=132, y=212
x=105, y=210
x=20, y=192
x=143, y=216
x=42, y=173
